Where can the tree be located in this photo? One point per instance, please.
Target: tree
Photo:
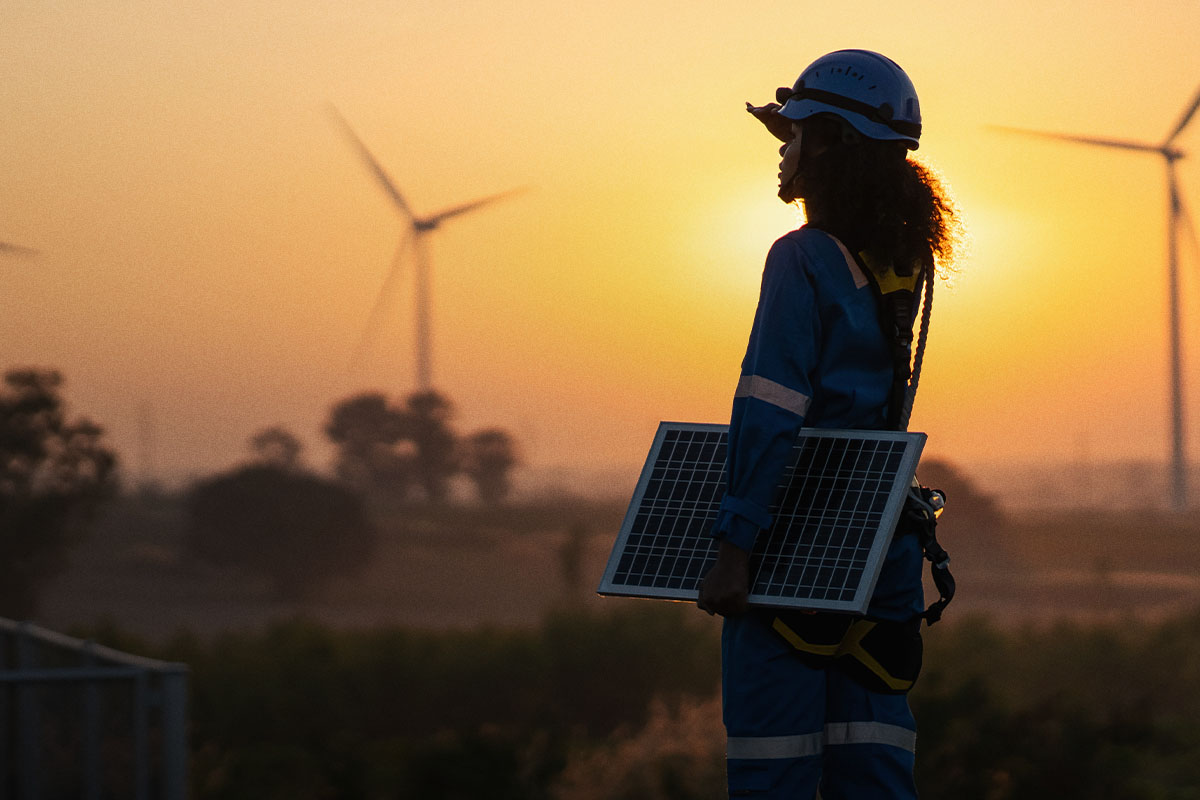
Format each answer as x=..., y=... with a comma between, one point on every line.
x=374, y=448
x=971, y=528
x=964, y=500
x=54, y=475
x=437, y=451
x=276, y=446
x=388, y=448
x=490, y=456
x=296, y=529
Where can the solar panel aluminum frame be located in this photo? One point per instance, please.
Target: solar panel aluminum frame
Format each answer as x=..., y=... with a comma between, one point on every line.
x=702, y=548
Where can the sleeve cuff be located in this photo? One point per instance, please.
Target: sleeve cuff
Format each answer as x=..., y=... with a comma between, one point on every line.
x=739, y=521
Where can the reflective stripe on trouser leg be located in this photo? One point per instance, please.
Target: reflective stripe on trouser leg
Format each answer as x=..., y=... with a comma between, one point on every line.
x=774, y=710
x=775, y=767
x=870, y=744
x=871, y=733
x=811, y=744
x=772, y=747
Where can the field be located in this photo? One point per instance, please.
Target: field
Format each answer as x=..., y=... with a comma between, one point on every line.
x=458, y=568
x=472, y=658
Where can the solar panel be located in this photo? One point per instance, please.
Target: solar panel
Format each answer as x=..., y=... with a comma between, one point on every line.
x=835, y=509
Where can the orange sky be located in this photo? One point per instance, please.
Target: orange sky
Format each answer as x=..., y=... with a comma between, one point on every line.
x=210, y=247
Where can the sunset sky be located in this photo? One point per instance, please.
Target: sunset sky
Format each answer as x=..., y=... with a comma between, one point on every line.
x=210, y=247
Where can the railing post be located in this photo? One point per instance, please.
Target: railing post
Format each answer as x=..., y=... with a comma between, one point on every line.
x=174, y=733
x=91, y=730
x=28, y=730
x=159, y=714
x=6, y=775
x=141, y=738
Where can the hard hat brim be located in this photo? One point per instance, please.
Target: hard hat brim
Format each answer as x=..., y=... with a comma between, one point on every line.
x=797, y=110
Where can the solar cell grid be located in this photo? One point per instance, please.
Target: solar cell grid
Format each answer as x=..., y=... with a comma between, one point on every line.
x=836, y=507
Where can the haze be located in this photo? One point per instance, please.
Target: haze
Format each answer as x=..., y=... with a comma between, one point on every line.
x=210, y=247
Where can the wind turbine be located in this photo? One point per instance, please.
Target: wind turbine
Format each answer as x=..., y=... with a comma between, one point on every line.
x=413, y=236
x=1176, y=215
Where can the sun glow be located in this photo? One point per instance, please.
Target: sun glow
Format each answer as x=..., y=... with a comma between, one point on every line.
x=729, y=238
x=215, y=273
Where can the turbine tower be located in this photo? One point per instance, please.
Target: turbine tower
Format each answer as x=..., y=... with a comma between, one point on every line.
x=1176, y=216
x=414, y=235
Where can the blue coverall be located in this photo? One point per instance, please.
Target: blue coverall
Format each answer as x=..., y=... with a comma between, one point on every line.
x=818, y=357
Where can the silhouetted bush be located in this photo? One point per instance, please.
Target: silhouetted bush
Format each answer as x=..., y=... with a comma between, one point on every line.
x=677, y=754
x=296, y=529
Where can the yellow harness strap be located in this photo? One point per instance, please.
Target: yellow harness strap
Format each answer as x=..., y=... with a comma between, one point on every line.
x=850, y=646
x=886, y=277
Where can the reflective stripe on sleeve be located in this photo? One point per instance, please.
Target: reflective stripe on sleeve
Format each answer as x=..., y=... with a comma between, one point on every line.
x=774, y=393
x=808, y=744
x=870, y=733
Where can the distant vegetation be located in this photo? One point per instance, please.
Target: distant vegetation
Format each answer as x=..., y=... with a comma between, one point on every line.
x=624, y=705
x=966, y=505
x=296, y=529
x=587, y=705
x=407, y=449
x=55, y=473
x=276, y=519
x=273, y=517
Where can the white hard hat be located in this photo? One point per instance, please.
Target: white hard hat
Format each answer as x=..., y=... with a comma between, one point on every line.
x=867, y=90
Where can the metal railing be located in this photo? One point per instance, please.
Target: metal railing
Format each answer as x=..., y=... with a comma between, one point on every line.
x=79, y=720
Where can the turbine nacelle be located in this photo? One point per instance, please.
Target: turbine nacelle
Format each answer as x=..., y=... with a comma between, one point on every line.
x=412, y=237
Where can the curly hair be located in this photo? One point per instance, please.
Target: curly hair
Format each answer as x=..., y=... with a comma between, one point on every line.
x=870, y=195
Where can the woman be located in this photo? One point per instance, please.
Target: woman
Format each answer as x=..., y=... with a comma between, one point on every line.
x=829, y=348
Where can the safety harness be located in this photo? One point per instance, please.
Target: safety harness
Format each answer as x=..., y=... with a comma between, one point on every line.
x=885, y=655
x=895, y=287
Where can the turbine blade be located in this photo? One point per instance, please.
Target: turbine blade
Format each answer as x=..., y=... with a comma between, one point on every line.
x=1093, y=140
x=1185, y=119
x=381, y=301
x=384, y=179
x=442, y=216
x=17, y=250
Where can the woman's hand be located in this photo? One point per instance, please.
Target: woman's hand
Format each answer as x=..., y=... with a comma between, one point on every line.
x=723, y=590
